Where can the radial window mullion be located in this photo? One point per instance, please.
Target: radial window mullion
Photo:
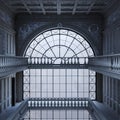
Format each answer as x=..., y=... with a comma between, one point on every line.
x=51, y=44
x=68, y=47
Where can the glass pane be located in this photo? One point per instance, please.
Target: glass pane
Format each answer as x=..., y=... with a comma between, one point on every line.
x=39, y=38
x=85, y=44
x=46, y=34
x=63, y=38
x=50, y=40
x=69, y=41
x=71, y=33
x=39, y=49
x=36, y=54
x=56, y=39
x=63, y=32
x=33, y=44
x=50, y=53
x=90, y=52
x=59, y=82
x=29, y=51
x=56, y=51
x=69, y=53
x=79, y=38
x=55, y=31
x=63, y=51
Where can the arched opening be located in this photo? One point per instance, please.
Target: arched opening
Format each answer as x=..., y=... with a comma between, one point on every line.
x=59, y=83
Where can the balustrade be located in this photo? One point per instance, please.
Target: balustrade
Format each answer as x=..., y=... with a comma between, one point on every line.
x=53, y=60
x=11, y=64
x=58, y=102
x=42, y=103
x=108, y=65
x=109, y=61
x=20, y=111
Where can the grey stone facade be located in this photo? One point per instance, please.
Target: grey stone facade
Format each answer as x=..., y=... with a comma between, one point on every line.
x=89, y=26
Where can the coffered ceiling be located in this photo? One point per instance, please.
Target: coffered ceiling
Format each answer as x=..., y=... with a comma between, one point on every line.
x=57, y=6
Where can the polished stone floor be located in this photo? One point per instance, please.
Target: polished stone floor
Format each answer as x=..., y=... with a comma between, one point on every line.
x=57, y=114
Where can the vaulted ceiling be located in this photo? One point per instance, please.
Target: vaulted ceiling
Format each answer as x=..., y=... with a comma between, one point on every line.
x=57, y=6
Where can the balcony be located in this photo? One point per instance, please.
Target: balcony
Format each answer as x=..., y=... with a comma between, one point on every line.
x=60, y=62
x=12, y=64
x=107, y=64
x=96, y=110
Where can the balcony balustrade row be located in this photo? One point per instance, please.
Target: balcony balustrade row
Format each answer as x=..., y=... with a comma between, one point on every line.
x=12, y=64
x=58, y=103
x=107, y=64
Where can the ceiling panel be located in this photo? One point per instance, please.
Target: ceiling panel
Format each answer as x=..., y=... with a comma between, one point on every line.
x=57, y=6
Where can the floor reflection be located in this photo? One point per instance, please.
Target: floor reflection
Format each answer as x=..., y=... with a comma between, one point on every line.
x=57, y=114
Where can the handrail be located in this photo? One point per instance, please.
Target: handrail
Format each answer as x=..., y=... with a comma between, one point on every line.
x=12, y=64
x=111, y=61
x=39, y=103
x=111, y=55
x=93, y=109
x=20, y=111
x=57, y=60
x=58, y=103
x=108, y=65
x=12, y=61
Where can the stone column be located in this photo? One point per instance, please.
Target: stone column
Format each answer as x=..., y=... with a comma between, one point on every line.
x=10, y=91
x=6, y=93
x=2, y=95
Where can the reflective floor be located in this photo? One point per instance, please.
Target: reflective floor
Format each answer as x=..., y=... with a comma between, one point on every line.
x=57, y=114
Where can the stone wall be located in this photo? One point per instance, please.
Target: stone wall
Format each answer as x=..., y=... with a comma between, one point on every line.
x=28, y=26
x=7, y=47
x=111, y=45
x=7, y=33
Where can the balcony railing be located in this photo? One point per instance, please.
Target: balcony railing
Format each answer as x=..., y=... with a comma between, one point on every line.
x=60, y=62
x=12, y=64
x=58, y=103
x=20, y=111
x=106, y=64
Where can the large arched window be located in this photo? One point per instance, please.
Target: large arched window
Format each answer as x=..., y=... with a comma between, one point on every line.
x=59, y=43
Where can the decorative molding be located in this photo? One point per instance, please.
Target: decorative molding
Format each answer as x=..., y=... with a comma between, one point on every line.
x=59, y=25
x=93, y=28
x=31, y=26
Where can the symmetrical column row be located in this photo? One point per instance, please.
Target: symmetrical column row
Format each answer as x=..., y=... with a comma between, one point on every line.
x=111, y=92
x=5, y=93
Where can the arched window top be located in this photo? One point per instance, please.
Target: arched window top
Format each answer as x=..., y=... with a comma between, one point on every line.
x=59, y=43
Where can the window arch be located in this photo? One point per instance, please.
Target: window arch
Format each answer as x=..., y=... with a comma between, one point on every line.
x=59, y=43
